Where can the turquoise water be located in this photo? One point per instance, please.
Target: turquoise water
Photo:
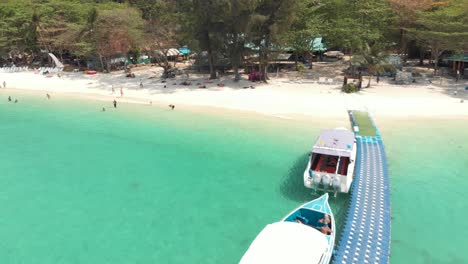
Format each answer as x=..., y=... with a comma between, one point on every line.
x=428, y=163
x=142, y=184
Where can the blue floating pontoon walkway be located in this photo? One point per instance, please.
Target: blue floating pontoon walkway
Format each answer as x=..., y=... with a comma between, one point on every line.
x=366, y=234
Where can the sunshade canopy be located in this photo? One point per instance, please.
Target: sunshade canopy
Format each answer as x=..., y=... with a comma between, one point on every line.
x=336, y=142
x=184, y=50
x=286, y=242
x=318, y=45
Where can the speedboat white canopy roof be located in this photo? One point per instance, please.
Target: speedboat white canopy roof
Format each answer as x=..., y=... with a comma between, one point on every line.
x=335, y=142
x=286, y=242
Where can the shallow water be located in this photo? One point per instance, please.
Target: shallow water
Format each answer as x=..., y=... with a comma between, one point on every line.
x=428, y=163
x=142, y=184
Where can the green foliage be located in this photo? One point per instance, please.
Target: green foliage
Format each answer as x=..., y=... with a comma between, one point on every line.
x=349, y=88
x=442, y=28
x=223, y=27
x=352, y=24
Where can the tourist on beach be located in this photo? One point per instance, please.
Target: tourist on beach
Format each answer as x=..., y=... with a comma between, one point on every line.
x=113, y=90
x=121, y=91
x=4, y=84
x=48, y=96
x=115, y=103
x=9, y=98
x=141, y=84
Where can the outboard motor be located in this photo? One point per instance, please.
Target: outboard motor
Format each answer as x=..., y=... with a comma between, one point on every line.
x=336, y=184
x=317, y=179
x=326, y=181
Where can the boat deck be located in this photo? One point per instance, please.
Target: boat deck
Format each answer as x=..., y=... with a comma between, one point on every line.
x=366, y=235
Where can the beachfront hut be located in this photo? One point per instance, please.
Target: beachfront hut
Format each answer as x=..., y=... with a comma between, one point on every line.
x=459, y=63
x=318, y=45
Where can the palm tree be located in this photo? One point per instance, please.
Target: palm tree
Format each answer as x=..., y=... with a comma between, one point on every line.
x=372, y=58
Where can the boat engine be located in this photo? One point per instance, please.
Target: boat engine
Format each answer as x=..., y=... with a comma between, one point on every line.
x=326, y=181
x=336, y=184
x=317, y=179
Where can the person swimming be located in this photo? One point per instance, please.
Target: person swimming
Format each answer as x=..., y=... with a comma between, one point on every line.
x=172, y=106
x=16, y=100
x=103, y=109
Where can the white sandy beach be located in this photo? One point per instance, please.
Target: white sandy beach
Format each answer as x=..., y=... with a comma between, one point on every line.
x=280, y=97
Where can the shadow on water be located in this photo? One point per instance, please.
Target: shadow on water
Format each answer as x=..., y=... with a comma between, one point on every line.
x=292, y=186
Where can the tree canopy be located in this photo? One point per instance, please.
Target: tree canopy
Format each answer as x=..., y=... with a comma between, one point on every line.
x=225, y=28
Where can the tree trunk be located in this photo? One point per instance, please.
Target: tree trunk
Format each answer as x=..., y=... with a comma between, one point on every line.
x=108, y=68
x=102, y=63
x=264, y=59
x=368, y=84
x=295, y=60
x=403, y=48
x=421, y=57
x=211, y=63
x=236, y=73
x=435, y=57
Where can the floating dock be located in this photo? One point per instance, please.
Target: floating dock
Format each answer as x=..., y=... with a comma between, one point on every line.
x=366, y=234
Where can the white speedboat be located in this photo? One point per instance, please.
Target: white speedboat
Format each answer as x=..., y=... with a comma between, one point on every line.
x=331, y=162
x=306, y=235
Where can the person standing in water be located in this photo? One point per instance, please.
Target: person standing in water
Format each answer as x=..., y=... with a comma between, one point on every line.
x=115, y=103
x=16, y=100
x=48, y=96
x=9, y=98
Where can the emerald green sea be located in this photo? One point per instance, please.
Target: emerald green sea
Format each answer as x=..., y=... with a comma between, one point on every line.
x=144, y=184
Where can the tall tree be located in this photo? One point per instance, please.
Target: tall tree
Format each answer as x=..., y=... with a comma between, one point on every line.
x=117, y=32
x=442, y=28
x=269, y=21
x=352, y=24
x=407, y=13
x=373, y=58
x=236, y=22
x=304, y=29
x=209, y=28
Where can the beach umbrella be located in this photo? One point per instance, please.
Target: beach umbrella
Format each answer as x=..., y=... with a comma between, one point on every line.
x=184, y=51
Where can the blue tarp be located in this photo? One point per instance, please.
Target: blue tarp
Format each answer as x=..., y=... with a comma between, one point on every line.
x=184, y=51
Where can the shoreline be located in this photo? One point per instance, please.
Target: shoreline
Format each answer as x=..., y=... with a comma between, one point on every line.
x=280, y=98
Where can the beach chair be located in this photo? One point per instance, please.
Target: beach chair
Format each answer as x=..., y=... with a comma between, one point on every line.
x=322, y=80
